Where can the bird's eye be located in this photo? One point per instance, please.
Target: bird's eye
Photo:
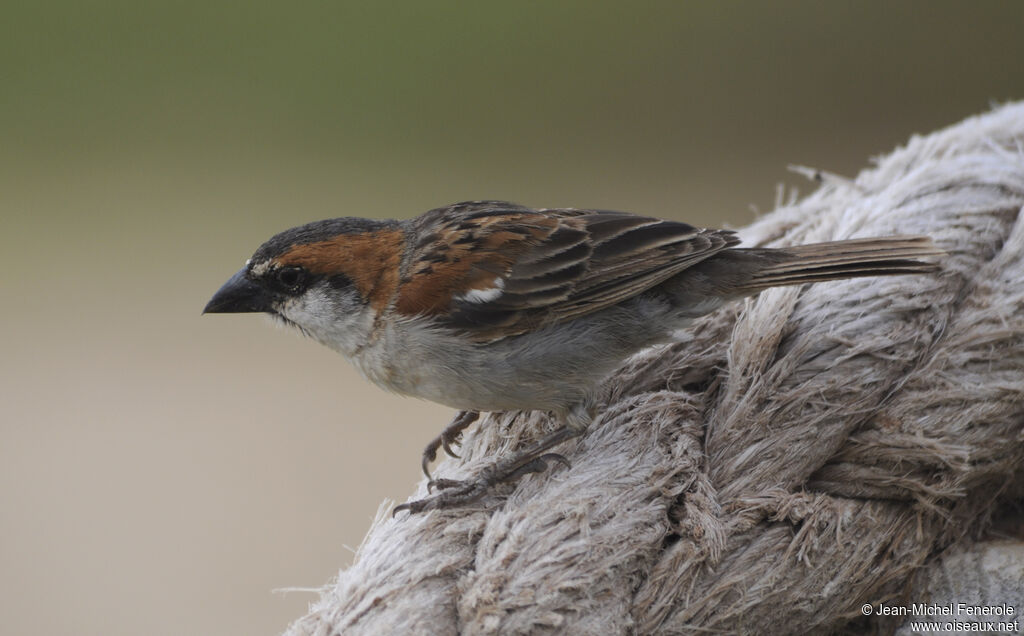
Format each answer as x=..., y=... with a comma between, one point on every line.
x=290, y=277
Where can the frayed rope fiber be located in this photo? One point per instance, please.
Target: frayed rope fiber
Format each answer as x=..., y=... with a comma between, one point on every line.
x=801, y=454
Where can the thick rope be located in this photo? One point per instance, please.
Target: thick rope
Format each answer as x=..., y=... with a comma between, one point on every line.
x=801, y=454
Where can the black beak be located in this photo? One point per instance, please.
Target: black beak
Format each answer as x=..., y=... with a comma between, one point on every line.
x=238, y=295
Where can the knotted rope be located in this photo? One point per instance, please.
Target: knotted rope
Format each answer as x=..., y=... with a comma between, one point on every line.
x=801, y=454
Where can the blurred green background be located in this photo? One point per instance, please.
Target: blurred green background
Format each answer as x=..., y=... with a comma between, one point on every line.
x=162, y=473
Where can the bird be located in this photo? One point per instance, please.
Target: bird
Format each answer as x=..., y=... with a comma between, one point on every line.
x=491, y=306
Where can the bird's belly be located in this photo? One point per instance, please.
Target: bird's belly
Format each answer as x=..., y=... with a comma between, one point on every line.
x=447, y=370
x=475, y=384
x=551, y=369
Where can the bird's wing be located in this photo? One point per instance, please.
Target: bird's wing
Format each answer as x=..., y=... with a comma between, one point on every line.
x=492, y=269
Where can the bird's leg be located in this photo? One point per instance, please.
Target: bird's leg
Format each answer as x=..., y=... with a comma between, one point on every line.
x=450, y=435
x=533, y=459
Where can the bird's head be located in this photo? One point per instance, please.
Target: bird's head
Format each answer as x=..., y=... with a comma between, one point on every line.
x=329, y=279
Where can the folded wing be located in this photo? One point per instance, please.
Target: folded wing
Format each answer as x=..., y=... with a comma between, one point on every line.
x=495, y=269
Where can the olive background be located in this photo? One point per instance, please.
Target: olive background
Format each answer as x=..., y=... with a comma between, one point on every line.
x=163, y=472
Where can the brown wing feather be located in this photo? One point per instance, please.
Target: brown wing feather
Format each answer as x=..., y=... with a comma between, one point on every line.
x=497, y=270
x=462, y=248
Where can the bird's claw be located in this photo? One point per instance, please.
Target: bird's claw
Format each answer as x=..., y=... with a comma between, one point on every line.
x=456, y=493
x=450, y=436
x=453, y=492
x=442, y=484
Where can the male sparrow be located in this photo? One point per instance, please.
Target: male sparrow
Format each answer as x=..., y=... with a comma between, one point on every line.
x=493, y=306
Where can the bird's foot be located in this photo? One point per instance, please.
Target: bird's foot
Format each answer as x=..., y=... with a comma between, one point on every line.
x=459, y=492
x=451, y=435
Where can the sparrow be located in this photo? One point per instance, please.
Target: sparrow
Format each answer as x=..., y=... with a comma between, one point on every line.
x=494, y=306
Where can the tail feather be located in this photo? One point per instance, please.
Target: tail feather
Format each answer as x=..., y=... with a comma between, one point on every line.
x=886, y=256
